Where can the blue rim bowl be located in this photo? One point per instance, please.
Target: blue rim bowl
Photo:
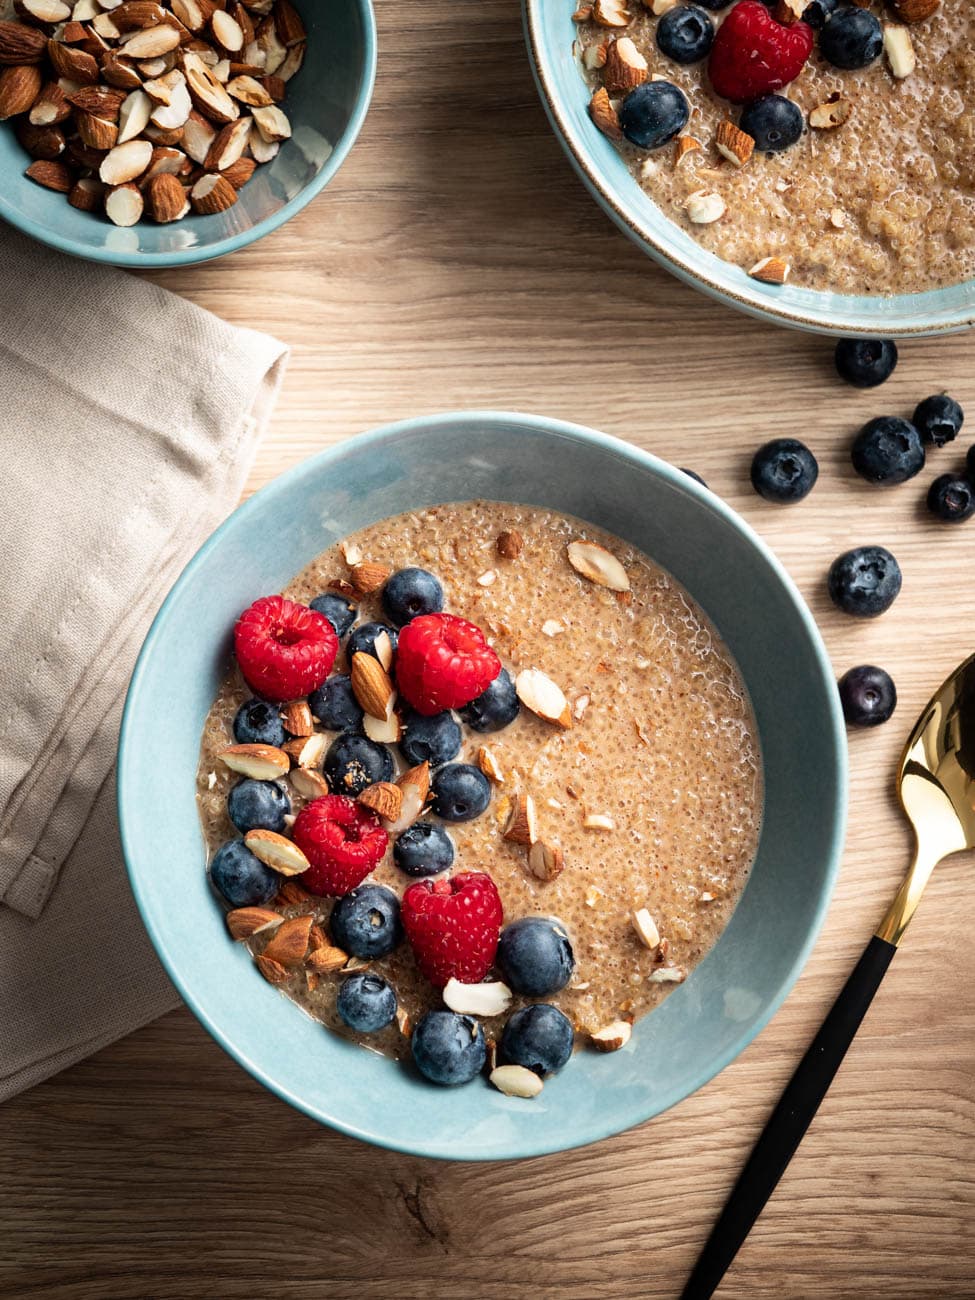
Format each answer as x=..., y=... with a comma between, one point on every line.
x=327, y=103
x=550, y=32
x=707, y=1021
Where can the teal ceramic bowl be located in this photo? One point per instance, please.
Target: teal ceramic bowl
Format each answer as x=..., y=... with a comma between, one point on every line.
x=707, y=1021
x=326, y=104
x=550, y=33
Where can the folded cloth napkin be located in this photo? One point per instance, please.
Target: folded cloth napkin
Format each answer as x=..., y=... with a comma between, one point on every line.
x=128, y=423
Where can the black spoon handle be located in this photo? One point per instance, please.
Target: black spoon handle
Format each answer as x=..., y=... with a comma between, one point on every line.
x=789, y=1121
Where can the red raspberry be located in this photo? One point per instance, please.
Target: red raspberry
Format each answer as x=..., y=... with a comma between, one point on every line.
x=284, y=649
x=342, y=840
x=752, y=54
x=453, y=926
x=443, y=662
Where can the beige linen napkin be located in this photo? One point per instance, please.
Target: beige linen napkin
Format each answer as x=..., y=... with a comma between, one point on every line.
x=128, y=422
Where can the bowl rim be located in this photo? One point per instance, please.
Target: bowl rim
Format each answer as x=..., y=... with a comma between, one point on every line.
x=278, y=491
x=232, y=243
x=764, y=305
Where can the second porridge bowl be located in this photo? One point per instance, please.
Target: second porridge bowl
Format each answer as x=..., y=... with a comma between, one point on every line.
x=522, y=462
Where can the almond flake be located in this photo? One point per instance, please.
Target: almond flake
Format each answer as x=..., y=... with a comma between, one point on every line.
x=350, y=553
x=580, y=706
x=489, y=999
x=599, y=822
x=545, y=861
x=667, y=975
x=516, y=1081
x=260, y=762
x=543, y=697
x=598, y=565
x=899, y=49
x=277, y=852
x=645, y=927
x=522, y=825
x=489, y=765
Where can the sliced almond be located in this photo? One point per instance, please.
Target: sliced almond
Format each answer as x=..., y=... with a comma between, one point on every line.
x=52, y=175
x=488, y=578
x=612, y=1037
x=240, y=172
x=543, y=697
x=489, y=765
x=272, y=970
x=249, y=91
x=227, y=31
x=516, y=1081
x=599, y=822
x=368, y=577
x=211, y=194
x=522, y=824
x=594, y=58
x=490, y=999
x=150, y=42
x=87, y=195
x=704, y=207
x=733, y=143
x=262, y=151
x=244, y=922
x=604, y=115
x=610, y=13
x=667, y=975
x=277, y=852
x=208, y=95
x=198, y=135
x=307, y=751
x=124, y=205
x=44, y=11
x=95, y=131
x=899, y=49
x=383, y=798
x=415, y=787
x=119, y=71
x=125, y=162
x=828, y=116
x=598, y=565
x=50, y=107
x=384, y=731
x=260, y=762
x=289, y=942
x=645, y=927
x=167, y=198
x=309, y=783
x=383, y=650
x=403, y=1022
x=134, y=116
x=625, y=69
x=684, y=145
x=174, y=115
x=228, y=145
x=298, y=721
x=771, y=270
x=327, y=960
x=371, y=685
x=272, y=123
x=545, y=861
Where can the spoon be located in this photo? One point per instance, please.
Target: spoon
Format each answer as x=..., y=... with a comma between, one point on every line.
x=936, y=786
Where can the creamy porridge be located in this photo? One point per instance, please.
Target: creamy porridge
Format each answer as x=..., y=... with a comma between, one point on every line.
x=649, y=801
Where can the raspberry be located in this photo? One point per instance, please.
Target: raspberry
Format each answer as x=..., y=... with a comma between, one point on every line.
x=453, y=926
x=284, y=649
x=752, y=54
x=443, y=662
x=342, y=840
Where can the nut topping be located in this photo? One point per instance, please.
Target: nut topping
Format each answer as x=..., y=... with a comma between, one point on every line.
x=540, y=694
x=522, y=824
x=244, y=922
x=260, y=762
x=277, y=852
x=770, y=270
x=516, y=1081
x=645, y=927
x=612, y=1037
x=625, y=67
x=598, y=565
x=383, y=798
x=545, y=861
x=489, y=999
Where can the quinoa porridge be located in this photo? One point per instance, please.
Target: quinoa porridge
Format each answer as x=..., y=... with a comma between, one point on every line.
x=650, y=799
x=877, y=196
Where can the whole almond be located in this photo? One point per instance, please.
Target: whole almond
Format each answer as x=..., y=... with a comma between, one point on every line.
x=20, y=85
x=289, y=942
x=368, y=577
x=509, y=544
x=297, y=719
x=167, y=198
x=70, y=62
x=21, y=44
x=914, y=11
x=52, y=175
x=371, y=685
x=277, y=852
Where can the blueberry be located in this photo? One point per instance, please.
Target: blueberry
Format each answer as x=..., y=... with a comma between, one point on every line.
x=865, y=363
x=366, y=922
x=409, y=593
x=432, y=740
x=460, y=792
x=938, y=419
x=447, y=1048
x=423, y=849
x=653, y=113
x=538, y=1037
x=339, y=611
x=335, y=706
x=864, y=581
x=353, y=762
x=951, y=499
x=819, y=12
x=242, y=878
x=970, y=463
x=253, y=805
x=258, y=723
x=868, y=696
x=685, y=34
x=363, y=639
x=852, y=38
x=784, y=470
x=366, y=1002
x=535, y=956
x=691, y=473
x=888, y=450
x=494, y=708
x=775, y=123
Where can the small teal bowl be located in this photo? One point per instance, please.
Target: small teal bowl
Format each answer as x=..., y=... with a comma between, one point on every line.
x=550, y=32
x=707, y=1021
x=326, y=104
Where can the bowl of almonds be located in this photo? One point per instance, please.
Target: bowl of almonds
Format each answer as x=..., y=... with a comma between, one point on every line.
x=160, y=134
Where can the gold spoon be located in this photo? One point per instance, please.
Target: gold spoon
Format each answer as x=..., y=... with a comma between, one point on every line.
x=936, y=786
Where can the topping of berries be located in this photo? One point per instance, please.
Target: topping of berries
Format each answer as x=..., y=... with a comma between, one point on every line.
x=453, y=926
x=443, y=662
x=342, y=840
x=753, y=54
x=284, y=649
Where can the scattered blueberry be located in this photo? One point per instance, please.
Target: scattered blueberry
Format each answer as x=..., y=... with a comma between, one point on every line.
x=774, y=122
x=868, y=696
x=535, y=956
x=335, y=706
x=448, y=1048
x=242, y=878
x=691, y=473
x=339, y=611
x=538, y=1037
x=685, y=34
x=852, y=38
x=888, y=450
x=253, y=805
x=819, y=12
x=460, y=792
x=363, y=639
x=258, y=723
x=938, y=419
x=423, y=849
x=951, y=499
x=653, y=113
x=353, y=762
x=409, y=593
x=366, y=1002
x=864, y=581
x=432, y=740
x=494, y=708
x=865, y=363
x=366, y=922
x=784, y=470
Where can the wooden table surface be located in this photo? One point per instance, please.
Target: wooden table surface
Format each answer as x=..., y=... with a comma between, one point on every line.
x=456, y=261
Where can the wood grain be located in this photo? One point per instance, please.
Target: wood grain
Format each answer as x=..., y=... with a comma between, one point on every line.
x=456, y=261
